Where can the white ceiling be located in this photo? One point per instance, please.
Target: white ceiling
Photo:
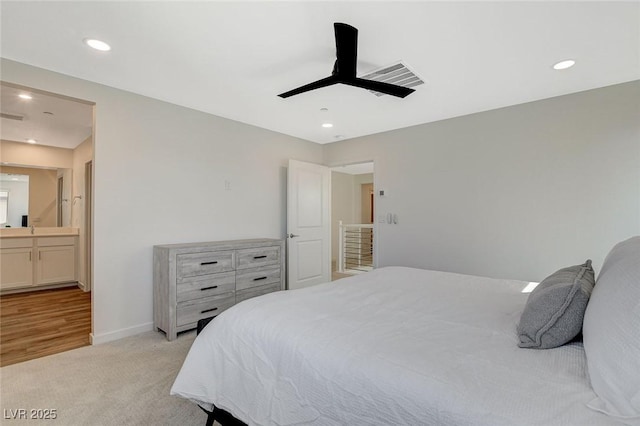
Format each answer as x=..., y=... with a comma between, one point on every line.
x=354, y=169
x=50, y=120
x=232, y=58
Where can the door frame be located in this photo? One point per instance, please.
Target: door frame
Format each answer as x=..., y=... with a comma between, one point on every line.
x=60, y=199
x=88, y=225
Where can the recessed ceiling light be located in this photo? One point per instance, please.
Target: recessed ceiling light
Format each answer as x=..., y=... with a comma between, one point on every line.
x=563, y=65
x=24, y=96
x=339, y=136
x=327, y=125
x=324, y=109
x=97, y=44
x=30, y=140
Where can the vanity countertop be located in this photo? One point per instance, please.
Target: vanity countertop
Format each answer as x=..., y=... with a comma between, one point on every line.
x=38, y=232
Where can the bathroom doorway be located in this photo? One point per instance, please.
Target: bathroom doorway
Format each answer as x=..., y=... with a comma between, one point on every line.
x=48, y=137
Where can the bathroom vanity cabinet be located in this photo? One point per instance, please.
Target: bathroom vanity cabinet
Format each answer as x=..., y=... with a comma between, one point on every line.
x=29, y=263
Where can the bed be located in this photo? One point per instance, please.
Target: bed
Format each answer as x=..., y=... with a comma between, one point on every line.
x=395, y=346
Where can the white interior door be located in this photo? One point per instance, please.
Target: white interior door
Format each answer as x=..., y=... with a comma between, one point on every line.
x=308, y=224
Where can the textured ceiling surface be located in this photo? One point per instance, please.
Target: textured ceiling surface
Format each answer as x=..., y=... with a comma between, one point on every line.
x=231, y=59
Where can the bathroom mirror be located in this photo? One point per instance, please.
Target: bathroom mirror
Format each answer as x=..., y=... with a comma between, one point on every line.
x=35, y=196
x=14, y=199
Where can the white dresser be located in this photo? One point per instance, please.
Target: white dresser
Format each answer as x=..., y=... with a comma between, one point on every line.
x=200, y=280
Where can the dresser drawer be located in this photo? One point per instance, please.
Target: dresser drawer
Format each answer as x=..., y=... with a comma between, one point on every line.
x=249, y=278
x=205, y=286
x=256, y=291
x=191, y=265
x=197, y=309
x=261, y=256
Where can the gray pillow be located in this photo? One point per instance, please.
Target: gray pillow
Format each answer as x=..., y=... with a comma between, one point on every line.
x=555, y=309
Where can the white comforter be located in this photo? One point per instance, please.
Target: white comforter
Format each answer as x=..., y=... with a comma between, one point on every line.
x=396, y=346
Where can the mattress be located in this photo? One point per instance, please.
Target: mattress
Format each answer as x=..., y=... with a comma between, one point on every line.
x=396, y=346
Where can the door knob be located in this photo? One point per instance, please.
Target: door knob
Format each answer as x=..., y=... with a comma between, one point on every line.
x=292, y=235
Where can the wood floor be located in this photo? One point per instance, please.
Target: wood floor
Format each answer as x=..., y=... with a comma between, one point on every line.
x=40, y=323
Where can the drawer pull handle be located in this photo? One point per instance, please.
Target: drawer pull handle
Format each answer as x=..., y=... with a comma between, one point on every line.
x=208, y=263
x=259, y=257
x=208, y=288
x=260, y=278
x=208, y=310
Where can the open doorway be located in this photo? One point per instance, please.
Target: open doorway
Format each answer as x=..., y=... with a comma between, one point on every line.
x=352, y=224
x=45, y=298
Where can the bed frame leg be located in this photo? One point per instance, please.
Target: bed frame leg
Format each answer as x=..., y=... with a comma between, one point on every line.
x=223, y=417
x=210, y=419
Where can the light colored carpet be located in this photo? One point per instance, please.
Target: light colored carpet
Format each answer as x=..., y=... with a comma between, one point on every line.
x=125, y=382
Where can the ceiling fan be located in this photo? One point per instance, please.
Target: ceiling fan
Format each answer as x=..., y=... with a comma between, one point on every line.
x=344, y=69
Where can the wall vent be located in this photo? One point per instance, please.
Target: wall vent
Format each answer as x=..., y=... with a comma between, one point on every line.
x=397, y=73
x=11, y=116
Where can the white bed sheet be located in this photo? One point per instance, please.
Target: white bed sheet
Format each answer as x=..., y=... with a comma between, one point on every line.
x=396, y=346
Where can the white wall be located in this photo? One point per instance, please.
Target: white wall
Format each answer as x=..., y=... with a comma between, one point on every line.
x=358, y=181
x=516, y=192
x=159, y=178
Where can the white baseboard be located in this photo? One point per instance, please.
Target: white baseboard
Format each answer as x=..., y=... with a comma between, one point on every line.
x=97, y=339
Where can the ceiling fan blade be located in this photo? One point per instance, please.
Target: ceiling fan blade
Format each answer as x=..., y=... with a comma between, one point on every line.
x=311, y=86
x=346, y=50
x=344, y=68
x=378, y=86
